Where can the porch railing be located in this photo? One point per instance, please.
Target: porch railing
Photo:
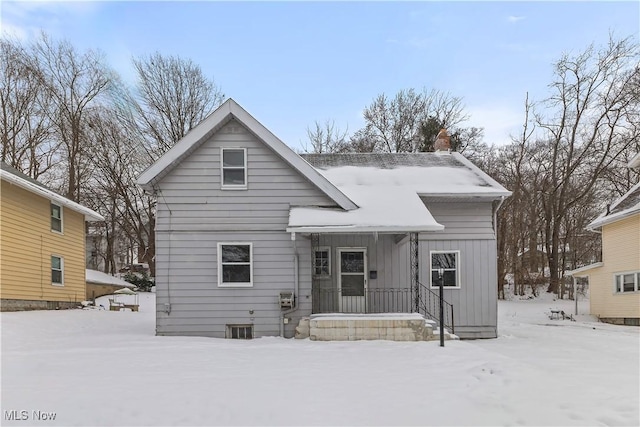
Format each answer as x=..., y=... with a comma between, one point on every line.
x=429, y=306
x=382, y=300
x=372, y=300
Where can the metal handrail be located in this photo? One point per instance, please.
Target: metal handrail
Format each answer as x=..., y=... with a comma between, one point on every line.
x=429, y=306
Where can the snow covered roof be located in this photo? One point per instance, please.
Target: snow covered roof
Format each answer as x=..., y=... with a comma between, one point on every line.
x=100, y=278
x=15, y=177
x=387, y=188
x=624, y=207
x=428, y=174
x=227, y=111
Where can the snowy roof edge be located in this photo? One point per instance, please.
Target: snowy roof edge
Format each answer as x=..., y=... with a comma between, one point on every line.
x=89, y=214
x=577, y=272
x=604, y=219
x=231, y=108
x=501, y=191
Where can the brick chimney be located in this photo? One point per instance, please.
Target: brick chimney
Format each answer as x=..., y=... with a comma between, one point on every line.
x=443, y=141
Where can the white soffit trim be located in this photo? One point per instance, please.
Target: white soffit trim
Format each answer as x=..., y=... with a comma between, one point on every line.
x=223, y=113
x=635, y=161
x=89, y=214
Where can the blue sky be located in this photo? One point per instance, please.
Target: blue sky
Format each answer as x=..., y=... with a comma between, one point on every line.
x=291, y=63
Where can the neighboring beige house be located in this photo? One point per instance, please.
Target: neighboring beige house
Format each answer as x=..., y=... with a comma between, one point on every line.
x=42, y=252
x=614, y=283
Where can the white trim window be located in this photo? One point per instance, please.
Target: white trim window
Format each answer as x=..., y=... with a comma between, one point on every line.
x=449, y=261
x=322, y=261
x=57, y=270
x=627, y=282
x=233, y=168
x=56, y=218
x=235, y=264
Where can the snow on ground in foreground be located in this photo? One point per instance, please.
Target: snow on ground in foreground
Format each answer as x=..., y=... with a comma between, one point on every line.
x=100, y=367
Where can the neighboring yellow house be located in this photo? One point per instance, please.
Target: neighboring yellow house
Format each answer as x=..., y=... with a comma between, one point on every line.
x=614, y=283
x=42, y=253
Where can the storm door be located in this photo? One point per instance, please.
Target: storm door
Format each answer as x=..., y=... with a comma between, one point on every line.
x=352, y=280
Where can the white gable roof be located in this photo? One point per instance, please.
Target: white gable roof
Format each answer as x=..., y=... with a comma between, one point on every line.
x=227, y=111
x=16, y=178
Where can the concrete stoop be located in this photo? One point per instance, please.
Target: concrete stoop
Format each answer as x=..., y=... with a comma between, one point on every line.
x=353, y=327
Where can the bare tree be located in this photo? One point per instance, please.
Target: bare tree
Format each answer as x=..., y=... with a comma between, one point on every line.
x=73, y=82
x=327, y=138
x=173, y=96
x=589, y=121
x=411, y=120
x=24, y=128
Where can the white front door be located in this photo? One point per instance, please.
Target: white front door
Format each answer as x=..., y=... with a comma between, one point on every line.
x=352, y=279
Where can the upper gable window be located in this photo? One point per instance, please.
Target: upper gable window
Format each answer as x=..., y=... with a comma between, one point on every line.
x=56, y=217
x=234, y=168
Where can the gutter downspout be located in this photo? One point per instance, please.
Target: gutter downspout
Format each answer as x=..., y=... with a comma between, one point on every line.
x=296, y=286
x=495, y=216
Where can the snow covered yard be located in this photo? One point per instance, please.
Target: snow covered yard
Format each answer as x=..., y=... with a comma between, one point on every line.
x=95, y=367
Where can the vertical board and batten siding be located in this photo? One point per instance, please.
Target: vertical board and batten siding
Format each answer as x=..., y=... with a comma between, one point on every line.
x=27, y=244
x=383, y=256
x=620, y=253
x=468, y=229
x=194, y=214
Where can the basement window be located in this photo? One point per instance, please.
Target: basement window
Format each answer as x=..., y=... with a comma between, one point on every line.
x=240, y=332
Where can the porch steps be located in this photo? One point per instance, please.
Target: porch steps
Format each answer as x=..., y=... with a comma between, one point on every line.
x=353, y=327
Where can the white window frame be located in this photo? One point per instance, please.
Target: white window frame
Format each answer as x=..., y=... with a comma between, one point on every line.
x=223, y=167
x=618, y=289
x=61, y=270
x=322, y=249
x=51, y=217
x=457, y=270
x=235, y=284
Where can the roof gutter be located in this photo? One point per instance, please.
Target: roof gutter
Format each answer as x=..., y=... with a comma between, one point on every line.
x=89, y=214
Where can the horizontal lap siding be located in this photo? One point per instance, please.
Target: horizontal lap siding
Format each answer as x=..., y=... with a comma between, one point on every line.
x=27, y=244
x=461, y=220
x=194, y=214
x=620, y=253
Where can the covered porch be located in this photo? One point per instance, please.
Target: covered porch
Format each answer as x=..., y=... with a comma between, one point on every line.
x=371, y=273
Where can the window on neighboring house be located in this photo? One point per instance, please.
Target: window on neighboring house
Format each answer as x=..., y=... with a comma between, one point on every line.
x=627, y=282
x=57, y=270
x=322, y=262
x=449, y=262
x=234, y=168
x=240, y=332
x=235, y=264
x=56, y=217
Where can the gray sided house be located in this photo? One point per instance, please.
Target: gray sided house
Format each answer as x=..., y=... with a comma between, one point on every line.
x=251, y=237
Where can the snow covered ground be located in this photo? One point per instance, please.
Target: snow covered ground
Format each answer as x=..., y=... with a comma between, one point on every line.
x=97, y=367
